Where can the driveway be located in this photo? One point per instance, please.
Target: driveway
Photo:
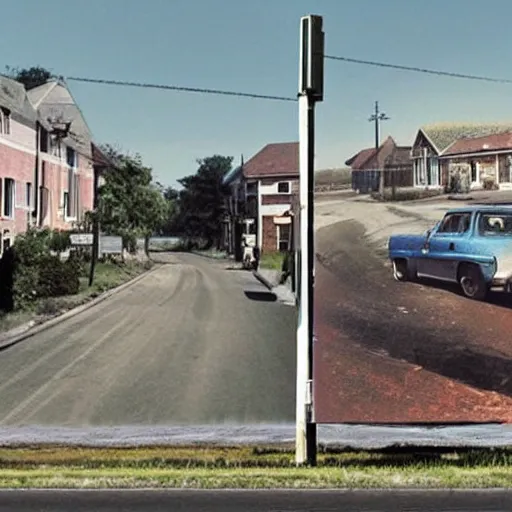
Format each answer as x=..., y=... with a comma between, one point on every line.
x=192, y=343
x=391, y=352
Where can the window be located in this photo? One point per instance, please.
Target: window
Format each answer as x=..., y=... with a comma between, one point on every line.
x=71, y=157
x=43, y=140
x=55, y=146
x=283, y=237
x=29, y=194
x=495, y=224
x=474, y=172
x=455, y=223
x=5, y=121
x=8, y=197
x=283, y=187
x=66, y=205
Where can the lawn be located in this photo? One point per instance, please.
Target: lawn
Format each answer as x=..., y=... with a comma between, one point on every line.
x=108, y=275
x=272, y=260
x=247, y=467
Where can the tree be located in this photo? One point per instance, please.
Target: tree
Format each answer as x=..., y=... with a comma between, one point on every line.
x=130, y=205
x=201, y=202
x=30, y=77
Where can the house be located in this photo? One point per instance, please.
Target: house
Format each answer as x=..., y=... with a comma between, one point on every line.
x=18, y=156
x=482, y=162
x=260, y=193
x=46, y=162
x=394, y=160
x=65, y=174
x=440, y=150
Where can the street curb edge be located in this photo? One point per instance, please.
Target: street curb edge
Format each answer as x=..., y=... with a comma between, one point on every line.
x=32, y=331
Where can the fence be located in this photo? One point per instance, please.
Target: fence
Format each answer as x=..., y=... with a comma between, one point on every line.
x=368, y=181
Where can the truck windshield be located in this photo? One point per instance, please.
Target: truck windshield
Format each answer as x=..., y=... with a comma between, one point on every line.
x=495, y=224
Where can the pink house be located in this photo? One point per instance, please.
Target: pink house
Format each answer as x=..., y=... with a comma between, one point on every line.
x=46, y=164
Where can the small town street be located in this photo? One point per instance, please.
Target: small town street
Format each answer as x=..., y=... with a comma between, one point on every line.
x=194, y=342
x=391, y=352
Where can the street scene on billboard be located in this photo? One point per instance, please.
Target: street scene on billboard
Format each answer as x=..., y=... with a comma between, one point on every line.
x=413, y=272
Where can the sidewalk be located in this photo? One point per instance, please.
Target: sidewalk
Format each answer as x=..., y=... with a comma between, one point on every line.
x=270, y=279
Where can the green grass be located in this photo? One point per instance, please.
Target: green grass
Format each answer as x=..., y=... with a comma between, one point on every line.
x=247, y=467
x=272, y=260
x=108, y=275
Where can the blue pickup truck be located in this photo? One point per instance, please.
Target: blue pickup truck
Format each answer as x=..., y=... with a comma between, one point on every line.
x=470, y=246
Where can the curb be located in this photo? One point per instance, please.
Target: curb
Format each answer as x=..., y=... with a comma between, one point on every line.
x=262, y=280
x=45, y=325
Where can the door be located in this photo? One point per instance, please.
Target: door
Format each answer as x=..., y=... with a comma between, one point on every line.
x=443, y=250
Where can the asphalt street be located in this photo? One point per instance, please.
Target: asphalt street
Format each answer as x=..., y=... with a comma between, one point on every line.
x=194, y=342
x=255, y=501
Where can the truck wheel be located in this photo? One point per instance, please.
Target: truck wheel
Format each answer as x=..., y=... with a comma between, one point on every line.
x=472, y=282
x=401, y=270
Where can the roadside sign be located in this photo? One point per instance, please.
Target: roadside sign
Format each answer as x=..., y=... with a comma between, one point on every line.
x=81, y=238
x=111, y=244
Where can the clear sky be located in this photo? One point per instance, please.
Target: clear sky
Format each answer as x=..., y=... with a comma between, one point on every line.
x=252, y=46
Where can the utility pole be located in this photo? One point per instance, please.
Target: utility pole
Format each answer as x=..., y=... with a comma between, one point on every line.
x=311, y=74
x=376, y=118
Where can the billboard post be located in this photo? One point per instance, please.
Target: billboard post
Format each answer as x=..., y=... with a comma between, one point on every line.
x=310, y=91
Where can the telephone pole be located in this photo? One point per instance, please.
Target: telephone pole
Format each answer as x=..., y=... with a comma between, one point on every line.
x=376, y=118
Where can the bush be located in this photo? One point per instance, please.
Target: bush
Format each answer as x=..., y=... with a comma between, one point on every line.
x=407, y=194
x=28, y=271
x=60, y=241
x=57, y=278
x=490, y=184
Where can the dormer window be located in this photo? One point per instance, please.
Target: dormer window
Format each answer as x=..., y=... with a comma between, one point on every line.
x=5, y=121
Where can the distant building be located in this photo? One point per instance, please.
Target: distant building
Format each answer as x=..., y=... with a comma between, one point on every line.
x=395, y=161
x=260, y=193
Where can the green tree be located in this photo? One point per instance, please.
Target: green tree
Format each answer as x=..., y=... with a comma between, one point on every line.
x=130, y=204
x=201, y=202
x=30, y=77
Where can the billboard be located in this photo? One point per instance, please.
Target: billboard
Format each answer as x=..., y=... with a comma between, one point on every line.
x=413, y=266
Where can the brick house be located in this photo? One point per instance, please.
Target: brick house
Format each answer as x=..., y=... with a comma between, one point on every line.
x=394, y=160
x=442, y=150
x=46, y=166
x=18, y=156
x=260, y=193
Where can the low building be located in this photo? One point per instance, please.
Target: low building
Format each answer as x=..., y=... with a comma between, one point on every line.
x=436, y=152
x=481, y=162
x=367, y=165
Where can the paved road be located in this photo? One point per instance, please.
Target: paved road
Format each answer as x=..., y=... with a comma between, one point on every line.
x=252, y=501
x=191, y=343
x=403, y=352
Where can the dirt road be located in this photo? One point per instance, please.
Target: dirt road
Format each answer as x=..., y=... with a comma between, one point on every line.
x=391, y=352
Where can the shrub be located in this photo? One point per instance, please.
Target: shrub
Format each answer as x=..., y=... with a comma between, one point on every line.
x=28, y=271
x=57, y=278
x=60, y=241
x=490, y=184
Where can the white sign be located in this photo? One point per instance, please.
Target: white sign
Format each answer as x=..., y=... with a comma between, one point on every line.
x=81, y=238
x=111, y=244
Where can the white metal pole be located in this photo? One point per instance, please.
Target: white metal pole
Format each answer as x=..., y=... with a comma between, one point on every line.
x=303, y=328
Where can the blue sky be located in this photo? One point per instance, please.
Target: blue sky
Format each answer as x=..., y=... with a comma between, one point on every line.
x=252, y=46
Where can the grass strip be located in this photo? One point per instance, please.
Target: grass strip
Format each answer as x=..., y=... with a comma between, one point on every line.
x=248, y=468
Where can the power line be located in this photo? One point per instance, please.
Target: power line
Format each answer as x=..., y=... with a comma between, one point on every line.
x=180, y=88
x=419, y=70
